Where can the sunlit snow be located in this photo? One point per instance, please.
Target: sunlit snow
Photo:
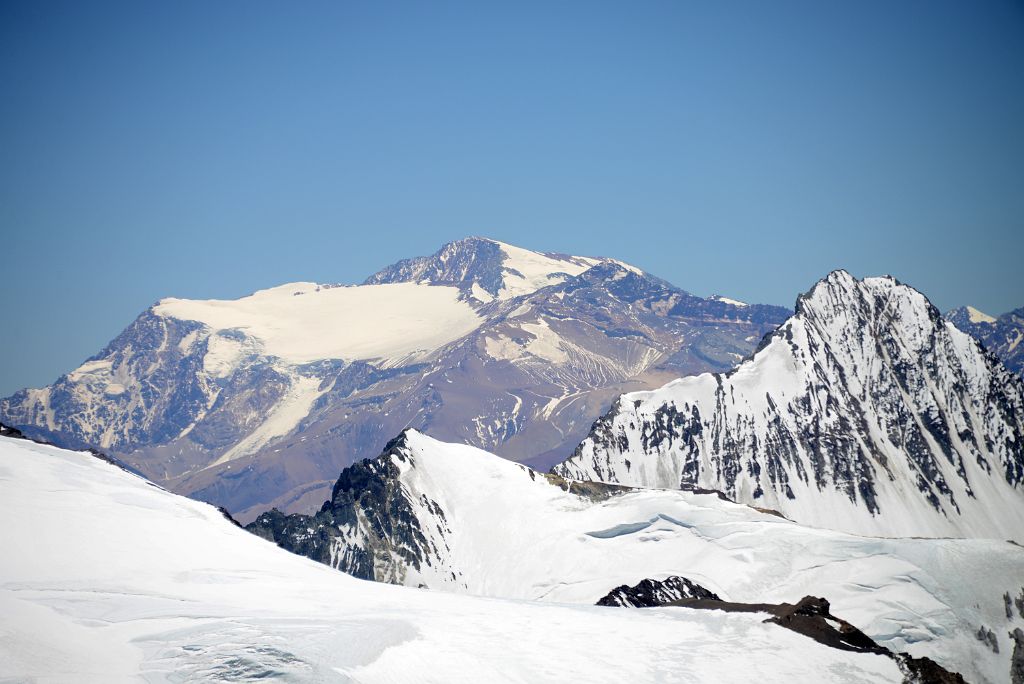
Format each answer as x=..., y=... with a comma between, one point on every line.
x=303, y=322
x=107, y=578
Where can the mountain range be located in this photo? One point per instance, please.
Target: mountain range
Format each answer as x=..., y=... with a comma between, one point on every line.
x=261, y=401
x=849, y=474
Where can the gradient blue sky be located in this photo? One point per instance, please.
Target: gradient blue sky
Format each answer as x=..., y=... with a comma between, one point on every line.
x=209, y=149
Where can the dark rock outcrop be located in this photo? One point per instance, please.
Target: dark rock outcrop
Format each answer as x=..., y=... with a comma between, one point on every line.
x=988, y=637
x=367, y=528
x=811, y=617
x=12, y=432
x=649, y=593
x=1017, y=659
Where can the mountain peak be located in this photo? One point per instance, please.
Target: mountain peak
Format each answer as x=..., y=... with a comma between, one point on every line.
x=489, y=269
x=832, y=289
x=860, y=413
x=840, y=299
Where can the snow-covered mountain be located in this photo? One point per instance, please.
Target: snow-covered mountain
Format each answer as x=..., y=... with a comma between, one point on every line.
x=106, y=578
x=1002, y=336
x=260, y=401
x=451, y=517
x=864, y=412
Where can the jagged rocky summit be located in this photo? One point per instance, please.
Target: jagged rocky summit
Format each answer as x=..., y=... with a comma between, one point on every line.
x=261, y=401
x=866, y=412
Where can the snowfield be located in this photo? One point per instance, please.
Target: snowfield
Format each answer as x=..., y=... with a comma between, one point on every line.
x=305, y=322
x=525, y=271
x=106, y=577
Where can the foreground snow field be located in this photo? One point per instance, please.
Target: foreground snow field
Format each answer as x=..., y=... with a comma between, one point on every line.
x=106, y=577
x=455, y=518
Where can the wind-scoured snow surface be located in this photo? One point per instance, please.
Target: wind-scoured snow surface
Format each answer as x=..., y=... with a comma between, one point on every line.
x=864, y=412
x=454, y=518
x=106, y=578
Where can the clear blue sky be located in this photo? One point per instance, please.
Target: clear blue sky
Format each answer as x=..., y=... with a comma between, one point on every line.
x=208, y=149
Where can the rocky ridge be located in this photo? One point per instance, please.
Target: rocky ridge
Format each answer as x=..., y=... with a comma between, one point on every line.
x=864, y=412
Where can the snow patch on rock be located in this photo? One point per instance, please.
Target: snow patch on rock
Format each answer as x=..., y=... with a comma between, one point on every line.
x=979, y=316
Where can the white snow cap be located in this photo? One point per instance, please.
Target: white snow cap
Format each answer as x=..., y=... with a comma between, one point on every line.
x=304, y=322
x=525, y=271
x=727, y=300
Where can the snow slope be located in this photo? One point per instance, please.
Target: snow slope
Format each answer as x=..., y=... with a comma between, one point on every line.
x=864, y=412
x=452, y=517
x=107, y=578
x=304, y=322
x=525, y=271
